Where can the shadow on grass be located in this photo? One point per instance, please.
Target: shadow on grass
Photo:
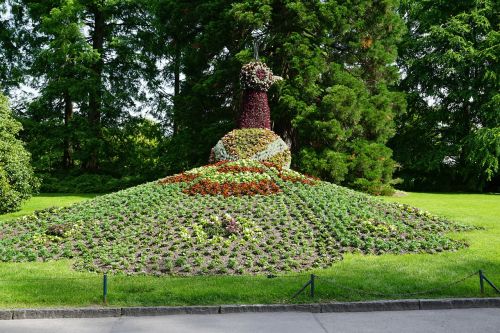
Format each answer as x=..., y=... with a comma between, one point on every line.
x=383, y=281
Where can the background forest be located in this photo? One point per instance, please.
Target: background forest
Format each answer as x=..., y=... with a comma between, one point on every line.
x=376, y=93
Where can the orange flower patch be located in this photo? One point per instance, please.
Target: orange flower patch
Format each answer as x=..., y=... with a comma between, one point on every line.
x=180, y=178
x=271, y=165
x=237, y=168
x=208, y=187
x=219, y=163
x=208, y=181
x=305, y=180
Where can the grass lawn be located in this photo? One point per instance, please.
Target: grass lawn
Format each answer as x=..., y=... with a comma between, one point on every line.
x=354, y=278
x=46, y=200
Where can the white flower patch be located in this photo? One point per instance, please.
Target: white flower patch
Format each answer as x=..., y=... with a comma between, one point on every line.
x=275, y=147
x=257, y=76
x=221, y=154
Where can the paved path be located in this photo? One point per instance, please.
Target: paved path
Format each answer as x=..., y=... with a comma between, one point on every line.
x=467, y=320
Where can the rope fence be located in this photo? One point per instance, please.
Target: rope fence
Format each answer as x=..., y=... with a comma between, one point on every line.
x=311, y=284
x=428, y=291
x=482, y=279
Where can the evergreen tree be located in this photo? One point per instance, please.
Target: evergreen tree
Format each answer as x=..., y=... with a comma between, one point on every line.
x=17, y=180
x=11, y=69
x=5, y=42
x=204, y=42
x=449, y=139
x=336, y=107
x=88, y=65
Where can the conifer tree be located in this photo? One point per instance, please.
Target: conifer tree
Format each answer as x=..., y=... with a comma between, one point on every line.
x=85, y=56
x=450, y=137
x=336, y=107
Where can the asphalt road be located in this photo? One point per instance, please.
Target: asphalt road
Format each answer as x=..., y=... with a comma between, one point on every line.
x=455, y=321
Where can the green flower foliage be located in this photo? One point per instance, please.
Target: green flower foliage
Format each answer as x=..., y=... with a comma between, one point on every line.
x=259, y=144
x=17, y=180
x=156, y=228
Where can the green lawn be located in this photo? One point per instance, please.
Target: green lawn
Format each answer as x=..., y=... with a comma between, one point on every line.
x=56, y=284
x=46, y=200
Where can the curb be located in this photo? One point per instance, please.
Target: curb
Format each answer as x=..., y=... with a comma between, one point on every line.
x=390, y=305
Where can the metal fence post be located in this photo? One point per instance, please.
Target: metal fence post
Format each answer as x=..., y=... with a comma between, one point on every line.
x=484, y=278
x=481, y=282
x=105, y=288
x=312, y=285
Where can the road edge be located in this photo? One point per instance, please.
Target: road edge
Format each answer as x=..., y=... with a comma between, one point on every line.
x=368, y=306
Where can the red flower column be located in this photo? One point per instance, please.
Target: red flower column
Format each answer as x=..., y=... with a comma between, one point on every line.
x=255, y=112
x=256, y=78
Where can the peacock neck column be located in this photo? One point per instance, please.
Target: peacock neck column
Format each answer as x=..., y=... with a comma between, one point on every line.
x=256, y=79
x=255, y=112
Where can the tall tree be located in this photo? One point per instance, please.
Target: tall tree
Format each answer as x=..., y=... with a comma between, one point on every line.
x=202, y=41
x=87, y=56
x=64, y=66
x=5, y=42
x=174, y=27
x=335, y=108
x=11, y=67
x=338, y=59
x=449, y=139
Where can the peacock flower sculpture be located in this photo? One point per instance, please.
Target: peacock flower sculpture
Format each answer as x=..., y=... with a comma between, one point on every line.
x=254, y=139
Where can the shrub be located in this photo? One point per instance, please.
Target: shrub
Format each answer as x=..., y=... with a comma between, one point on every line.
x=87, y=183
x=17, y=179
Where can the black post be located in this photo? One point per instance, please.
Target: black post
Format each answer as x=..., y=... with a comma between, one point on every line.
x=491, y=284
x=481, y=281
x=105, y=288
x=312, y=285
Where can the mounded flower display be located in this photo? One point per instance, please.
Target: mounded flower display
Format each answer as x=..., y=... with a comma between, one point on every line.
x=242, y=217
x=247, y=213
x=252, y=143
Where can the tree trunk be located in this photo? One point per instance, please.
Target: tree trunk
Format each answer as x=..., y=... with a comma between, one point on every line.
x=177, y=83
x=95, y=95
x=283, y=127
x=68, y=144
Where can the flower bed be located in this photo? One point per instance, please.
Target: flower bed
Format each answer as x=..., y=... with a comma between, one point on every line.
x=227, y=189
x=252, y=143
x=225, y=218
x=243, y=177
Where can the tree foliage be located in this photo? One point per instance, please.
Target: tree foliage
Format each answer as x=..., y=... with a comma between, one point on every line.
x=17, y=180
x=204, y=40
x=98, y=66
x=87, y=65
x=335, y=107
x=448, y=139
